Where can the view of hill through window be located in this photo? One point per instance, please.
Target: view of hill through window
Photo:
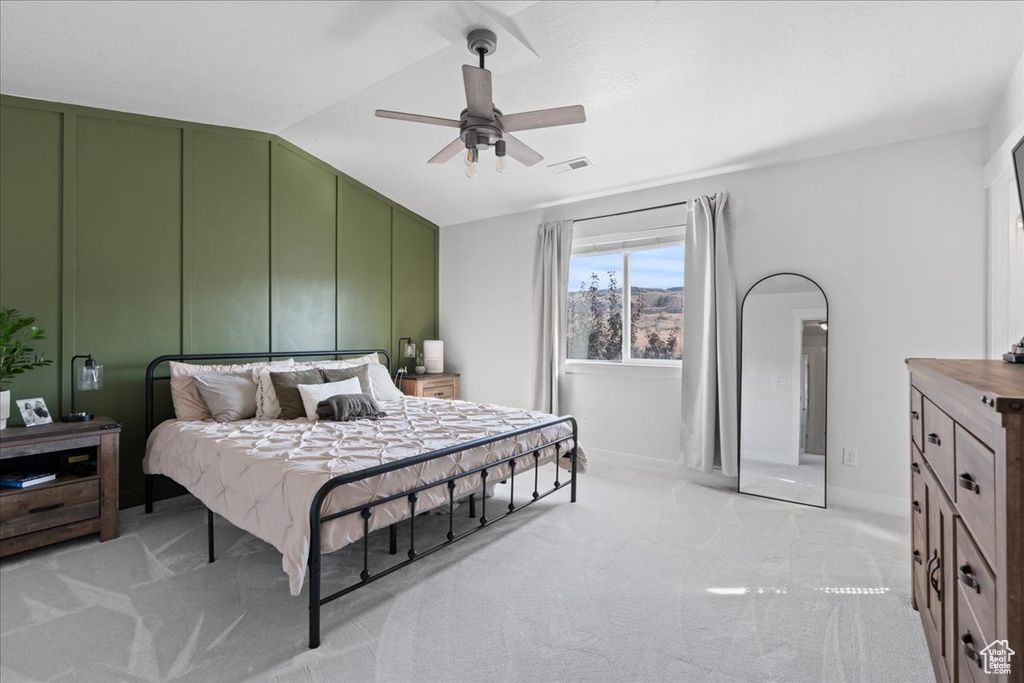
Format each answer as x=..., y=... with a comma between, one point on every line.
x=597, y=311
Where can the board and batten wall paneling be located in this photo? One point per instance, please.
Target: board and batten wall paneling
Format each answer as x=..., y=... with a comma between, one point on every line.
x=230, y=246
x=132, y=236
x=127, y=265
x=413, y=293
x=303, y=234
x=364, y=270
x=30, y=240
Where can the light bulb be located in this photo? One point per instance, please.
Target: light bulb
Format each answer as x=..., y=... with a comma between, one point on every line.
x=500, y=164
x=472, y=155
x=471, y=171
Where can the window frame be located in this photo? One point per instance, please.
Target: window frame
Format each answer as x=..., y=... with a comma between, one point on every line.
x=625, y=244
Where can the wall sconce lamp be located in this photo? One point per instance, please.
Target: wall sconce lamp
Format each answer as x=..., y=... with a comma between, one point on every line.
x=90, y=378
x=409, y=349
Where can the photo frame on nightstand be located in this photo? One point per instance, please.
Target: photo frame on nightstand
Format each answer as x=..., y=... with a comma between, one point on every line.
x=34, y=411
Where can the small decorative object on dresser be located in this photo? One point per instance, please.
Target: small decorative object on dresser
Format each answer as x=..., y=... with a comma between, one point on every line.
x=16, y=331
x=82, y=496
x=444, y=385
x=34, y=412
x=967, y=506
x=420, y=367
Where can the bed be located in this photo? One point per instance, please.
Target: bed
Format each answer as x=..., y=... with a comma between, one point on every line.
x=311, y=487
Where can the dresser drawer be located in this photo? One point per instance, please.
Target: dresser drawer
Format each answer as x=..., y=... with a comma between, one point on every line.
x=28, y=511
x=975, y=580
x=976, y=490
x=444, y=389
x=970, y=641
x=918, y=497
x=938, y=444
x=916, y=418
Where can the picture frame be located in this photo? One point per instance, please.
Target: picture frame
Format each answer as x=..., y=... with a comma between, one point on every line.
x=34, y=411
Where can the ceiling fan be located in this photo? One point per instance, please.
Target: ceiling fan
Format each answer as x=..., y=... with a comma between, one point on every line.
x=481, y=125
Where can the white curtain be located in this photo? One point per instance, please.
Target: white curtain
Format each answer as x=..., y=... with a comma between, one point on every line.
x=552, y=286
x=710, y=390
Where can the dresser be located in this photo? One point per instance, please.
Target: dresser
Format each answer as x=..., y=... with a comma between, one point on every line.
x=967, y=507
x=83, y=499
x=439, y=385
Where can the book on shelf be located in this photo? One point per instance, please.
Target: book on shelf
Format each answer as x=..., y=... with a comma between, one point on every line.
x=20, y=480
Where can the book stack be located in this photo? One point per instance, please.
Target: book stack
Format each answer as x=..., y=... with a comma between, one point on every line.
x=20, y=480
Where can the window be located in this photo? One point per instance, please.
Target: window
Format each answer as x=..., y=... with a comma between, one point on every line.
x=647, y=325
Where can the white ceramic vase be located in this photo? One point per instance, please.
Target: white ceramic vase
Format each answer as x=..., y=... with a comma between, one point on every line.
x=420, y=369
x=5, y=407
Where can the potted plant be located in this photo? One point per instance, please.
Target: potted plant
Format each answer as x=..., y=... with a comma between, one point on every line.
x=16, y=356
x=420, y=367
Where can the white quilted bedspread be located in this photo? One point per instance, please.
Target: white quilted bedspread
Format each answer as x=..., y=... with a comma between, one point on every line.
x=262, y=475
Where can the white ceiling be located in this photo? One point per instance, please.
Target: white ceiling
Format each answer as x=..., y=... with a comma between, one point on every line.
x=671, y=89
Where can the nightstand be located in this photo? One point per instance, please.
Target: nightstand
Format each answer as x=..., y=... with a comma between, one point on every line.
x=440, y=385
x=81, y=500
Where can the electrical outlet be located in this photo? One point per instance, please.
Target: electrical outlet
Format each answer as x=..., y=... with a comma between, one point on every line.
x=850, y=457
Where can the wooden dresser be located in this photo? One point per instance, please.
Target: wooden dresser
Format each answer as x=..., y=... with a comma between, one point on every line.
x=83, y=499
x=439, y=385
x=967, y=505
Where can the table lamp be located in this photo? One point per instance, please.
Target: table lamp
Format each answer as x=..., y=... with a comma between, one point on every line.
x=90, y=378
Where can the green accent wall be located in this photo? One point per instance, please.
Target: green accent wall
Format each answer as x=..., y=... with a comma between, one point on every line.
x=130, y=237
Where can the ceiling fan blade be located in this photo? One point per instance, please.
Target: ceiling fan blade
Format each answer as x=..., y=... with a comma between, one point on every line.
x=478, y=92
x=456, y=146
x=520, y=152
x=544, y=118
x=417, y=118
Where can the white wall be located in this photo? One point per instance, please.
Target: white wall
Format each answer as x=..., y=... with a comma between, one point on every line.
x=895, y=235
x=1009, y=109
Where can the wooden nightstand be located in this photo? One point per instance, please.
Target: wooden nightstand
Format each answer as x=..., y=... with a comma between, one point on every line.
x=79, y=501
x=440, y=385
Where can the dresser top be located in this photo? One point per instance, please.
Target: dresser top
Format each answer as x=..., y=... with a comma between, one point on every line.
x=1000, y=382
x=430, y=376
x=18, y=435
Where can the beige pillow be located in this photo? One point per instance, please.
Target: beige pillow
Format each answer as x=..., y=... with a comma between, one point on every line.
x=339, y=364
x=188, y=404
x=229, y=396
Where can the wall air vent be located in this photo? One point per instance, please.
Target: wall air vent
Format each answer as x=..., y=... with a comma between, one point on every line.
x=571, y=165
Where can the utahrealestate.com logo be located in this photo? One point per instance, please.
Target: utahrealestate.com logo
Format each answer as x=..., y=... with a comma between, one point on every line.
x=997, y=657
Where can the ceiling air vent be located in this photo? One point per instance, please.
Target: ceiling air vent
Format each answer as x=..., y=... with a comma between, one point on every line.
x=571, y=165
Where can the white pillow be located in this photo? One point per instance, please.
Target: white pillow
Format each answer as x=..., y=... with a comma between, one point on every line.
x=383, y=386
x=312, y=394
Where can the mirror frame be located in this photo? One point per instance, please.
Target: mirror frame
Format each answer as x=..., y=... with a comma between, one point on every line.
x=739, y=396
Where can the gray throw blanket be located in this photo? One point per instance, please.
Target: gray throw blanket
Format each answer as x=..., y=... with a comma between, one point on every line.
x=346, y=407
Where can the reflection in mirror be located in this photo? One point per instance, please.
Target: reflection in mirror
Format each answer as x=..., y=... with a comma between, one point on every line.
x=783, y=384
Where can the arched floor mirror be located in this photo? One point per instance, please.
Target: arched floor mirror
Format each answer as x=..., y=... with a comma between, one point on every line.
x=783, y=390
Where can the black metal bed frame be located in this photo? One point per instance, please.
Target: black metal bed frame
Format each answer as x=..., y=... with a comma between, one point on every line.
x=316, y=512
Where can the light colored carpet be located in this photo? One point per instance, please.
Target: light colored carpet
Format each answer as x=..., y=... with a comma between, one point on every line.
x=648, y=578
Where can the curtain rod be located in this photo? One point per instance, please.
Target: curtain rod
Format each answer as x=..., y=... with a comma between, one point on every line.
x=624, y=213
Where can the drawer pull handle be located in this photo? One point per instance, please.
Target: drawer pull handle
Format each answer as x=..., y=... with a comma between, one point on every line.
x=45, y=508
x=439, y=393
x=914, y=415
x=968, y=579
x=967, y=640
x=934, y=439
x=966, y=481
x=914, y=466
x=916, y=506
x=935, y=582
x=917, y=557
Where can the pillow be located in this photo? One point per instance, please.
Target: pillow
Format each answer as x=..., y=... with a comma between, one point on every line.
x=346, y=407
x=230, y=396
x=384, y=388
x=368, y=359
x=360, y=372
x=188, y=404
x=312, y=394
x=286, y=389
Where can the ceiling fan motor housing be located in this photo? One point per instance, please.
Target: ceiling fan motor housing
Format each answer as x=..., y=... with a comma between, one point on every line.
x=480, y=133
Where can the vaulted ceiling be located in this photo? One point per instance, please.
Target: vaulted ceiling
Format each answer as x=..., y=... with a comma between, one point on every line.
x=671, y=89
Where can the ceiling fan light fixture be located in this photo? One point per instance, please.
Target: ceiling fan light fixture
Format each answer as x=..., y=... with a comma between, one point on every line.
x=472, y=156
x=500, y=160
